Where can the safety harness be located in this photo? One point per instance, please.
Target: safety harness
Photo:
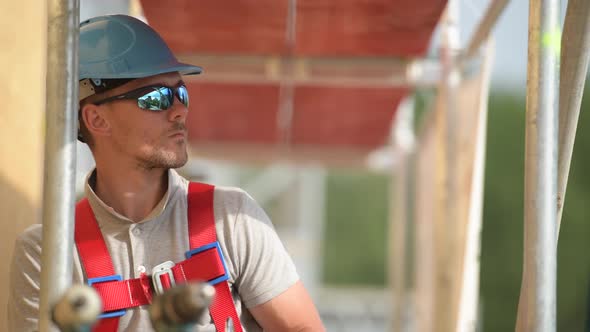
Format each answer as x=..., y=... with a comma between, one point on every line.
x=204, y=262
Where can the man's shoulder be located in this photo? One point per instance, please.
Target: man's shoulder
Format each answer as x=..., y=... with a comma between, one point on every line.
x=221, y=192
x=233, y=198
x=225, y=195
x=233, y=201
x=229, y=192
x=31, y=236
x=27, y=244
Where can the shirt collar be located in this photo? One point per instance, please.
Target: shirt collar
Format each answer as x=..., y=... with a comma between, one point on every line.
x=105, y=212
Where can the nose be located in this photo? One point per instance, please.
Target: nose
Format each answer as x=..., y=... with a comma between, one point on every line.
x=178, y=112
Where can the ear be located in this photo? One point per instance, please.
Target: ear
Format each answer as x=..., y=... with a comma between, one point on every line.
x=95, y=120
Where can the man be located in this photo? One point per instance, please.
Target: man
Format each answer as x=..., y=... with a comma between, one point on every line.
x=133, y=109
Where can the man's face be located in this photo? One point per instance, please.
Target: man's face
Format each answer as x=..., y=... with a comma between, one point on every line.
x=153, y=139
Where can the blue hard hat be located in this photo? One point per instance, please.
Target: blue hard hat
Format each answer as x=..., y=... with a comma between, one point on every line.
x=120, y=46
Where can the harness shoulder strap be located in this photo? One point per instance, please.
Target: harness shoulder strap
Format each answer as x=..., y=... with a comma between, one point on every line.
x=201, y=229
x=94, y=255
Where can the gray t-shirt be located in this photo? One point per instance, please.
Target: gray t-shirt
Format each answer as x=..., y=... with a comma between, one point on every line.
x=258, y=264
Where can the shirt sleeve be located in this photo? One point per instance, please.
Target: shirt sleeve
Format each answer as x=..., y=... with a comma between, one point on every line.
x=265, y=268
x=25, y=272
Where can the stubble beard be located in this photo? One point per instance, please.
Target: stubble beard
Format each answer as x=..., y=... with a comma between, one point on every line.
x=163, y=159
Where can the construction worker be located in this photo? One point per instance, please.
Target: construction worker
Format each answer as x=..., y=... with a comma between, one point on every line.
x=138, y=231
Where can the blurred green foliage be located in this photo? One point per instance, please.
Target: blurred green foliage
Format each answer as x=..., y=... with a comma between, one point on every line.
x=356, y=229
x=502, y=234
x=355, y=235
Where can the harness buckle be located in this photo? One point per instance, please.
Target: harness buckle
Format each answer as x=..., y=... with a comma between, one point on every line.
x=160, y=270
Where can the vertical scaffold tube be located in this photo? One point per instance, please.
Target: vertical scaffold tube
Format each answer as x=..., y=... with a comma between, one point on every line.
x=60, y=154
x=537, y=306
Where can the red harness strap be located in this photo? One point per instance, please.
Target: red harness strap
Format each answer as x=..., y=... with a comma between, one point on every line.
x=201, y=230
x=94, y=254
x=204, y=262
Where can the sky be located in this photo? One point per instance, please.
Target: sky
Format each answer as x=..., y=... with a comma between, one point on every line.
x=510, y=38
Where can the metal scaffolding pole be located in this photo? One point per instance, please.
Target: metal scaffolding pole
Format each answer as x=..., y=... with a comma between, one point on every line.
x=485, y=27
x=400, y=272
x=575, y=54
x=450, y=86
x=448, y=260
x=398, y=239
x=287, y=86
x=537, y=306
x=60, y=154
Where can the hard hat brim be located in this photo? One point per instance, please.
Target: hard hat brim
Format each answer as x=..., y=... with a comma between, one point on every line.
x=184, y=69
x=170, y=67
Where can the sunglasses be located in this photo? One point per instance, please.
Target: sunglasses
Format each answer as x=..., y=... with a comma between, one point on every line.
x=153, y=97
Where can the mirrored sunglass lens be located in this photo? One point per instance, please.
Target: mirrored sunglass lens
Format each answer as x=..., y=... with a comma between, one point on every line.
x=183, y=95
x=157, y=100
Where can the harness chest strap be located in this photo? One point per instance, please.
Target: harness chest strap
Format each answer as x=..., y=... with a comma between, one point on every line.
x=123, y=294
x=204, y=262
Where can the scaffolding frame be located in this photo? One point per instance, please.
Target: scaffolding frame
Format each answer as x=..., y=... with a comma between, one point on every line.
x=543, y=198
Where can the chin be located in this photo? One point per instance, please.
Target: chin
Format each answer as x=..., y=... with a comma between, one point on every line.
x=165, y=159
x=179, y=163
x=178, y=160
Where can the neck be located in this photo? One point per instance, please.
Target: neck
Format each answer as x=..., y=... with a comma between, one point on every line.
x=134, y=192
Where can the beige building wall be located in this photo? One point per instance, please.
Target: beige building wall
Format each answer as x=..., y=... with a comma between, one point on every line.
x=22, y=92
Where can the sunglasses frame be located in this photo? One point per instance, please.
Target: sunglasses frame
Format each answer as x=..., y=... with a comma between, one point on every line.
x=143, y=91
